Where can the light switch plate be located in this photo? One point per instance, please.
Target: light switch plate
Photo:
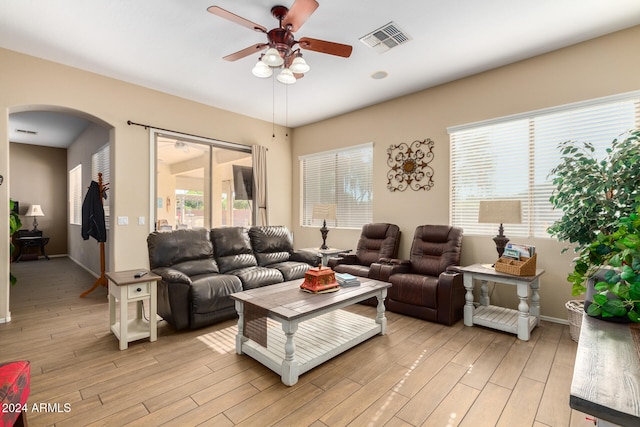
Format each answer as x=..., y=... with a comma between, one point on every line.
x=140, y=220
x=123, y=220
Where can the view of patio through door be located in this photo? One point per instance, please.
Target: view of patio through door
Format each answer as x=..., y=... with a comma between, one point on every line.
x=201, y=184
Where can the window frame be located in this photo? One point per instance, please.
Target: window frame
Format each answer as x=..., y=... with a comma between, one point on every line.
x=75, y=195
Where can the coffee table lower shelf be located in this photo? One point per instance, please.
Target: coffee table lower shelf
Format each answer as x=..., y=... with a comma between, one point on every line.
x=316, y=341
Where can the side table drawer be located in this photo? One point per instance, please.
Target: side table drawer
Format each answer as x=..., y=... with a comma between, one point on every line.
x=138, y=290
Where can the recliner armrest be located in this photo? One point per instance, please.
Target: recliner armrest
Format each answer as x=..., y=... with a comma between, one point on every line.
x=343, y=259
x=394, y=261
x=450, y=296
x=383, y=271
x=169, y=274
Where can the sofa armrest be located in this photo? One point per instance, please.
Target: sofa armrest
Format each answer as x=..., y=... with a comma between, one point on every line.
x=451, y=297
x=394, y=261
x=169, y=275
x=342, y=258
x=309, y=257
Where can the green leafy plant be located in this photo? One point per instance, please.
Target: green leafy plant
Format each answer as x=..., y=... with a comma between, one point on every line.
x=14, y=225
x=618, y=292
x=593, y=195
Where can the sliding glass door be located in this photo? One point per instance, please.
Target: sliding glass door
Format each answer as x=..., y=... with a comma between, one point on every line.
x=199, y=183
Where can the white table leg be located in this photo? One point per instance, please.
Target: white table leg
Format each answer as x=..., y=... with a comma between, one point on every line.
x=534, y=310
x=468, y=307
x=124, y=318
x=484, y=294
x=523, y=308
x=153, y=311
x=240, y=338
x=380, y=317
x=290, y=371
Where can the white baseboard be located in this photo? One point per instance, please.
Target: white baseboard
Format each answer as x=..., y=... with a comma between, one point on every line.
x=5, y=319
x=554, y=320
x=84, y=267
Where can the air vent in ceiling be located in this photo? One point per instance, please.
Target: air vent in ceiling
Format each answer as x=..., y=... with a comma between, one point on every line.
x=385, y=38
x=28, y=132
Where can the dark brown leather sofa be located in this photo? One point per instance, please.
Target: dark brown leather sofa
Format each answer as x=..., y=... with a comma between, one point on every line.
x=200, y=268
x=377, y=240
x=422, y=286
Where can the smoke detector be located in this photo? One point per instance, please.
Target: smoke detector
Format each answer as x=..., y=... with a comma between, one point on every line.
x=385, y=38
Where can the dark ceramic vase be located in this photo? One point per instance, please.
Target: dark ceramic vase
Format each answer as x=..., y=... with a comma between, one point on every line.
x=591, y=291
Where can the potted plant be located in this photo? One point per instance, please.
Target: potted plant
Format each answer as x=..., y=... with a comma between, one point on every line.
x=594, y=193
x=612, y=264
x=14, y=225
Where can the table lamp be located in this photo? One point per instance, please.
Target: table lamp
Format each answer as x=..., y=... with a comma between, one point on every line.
x=34, y=211
x=500, y=212
x=324, y=212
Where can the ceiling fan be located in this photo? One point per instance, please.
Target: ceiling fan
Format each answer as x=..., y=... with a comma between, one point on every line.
x=280, y=45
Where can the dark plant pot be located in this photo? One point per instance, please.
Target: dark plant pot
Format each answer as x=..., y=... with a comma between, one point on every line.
x=591, y=291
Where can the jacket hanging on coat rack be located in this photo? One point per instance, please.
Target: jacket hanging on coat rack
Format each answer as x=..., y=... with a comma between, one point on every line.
x=93, y=224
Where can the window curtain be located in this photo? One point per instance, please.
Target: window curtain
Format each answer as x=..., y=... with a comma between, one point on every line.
x=259, y=154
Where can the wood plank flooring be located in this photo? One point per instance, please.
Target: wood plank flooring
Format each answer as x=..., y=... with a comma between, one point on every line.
x=419, y=374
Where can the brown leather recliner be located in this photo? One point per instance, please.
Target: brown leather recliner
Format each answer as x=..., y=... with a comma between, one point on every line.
x=377, y=240
x=422, y=286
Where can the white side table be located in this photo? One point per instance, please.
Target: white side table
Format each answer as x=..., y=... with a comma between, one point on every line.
x=520, y=321
x=125, y=288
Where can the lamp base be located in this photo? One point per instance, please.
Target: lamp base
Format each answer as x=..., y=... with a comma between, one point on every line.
x=501, y=241
x=324, y=231
x=35, y=224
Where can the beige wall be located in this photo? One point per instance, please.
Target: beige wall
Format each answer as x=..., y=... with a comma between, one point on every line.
x=601, y=67
x=39, y=176
x=27, y=83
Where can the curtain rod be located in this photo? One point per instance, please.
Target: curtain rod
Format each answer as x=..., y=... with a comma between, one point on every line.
x=129, y=122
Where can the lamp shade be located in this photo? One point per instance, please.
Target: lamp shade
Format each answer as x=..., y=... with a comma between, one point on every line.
x=299, y=65
x=286, y=77
x=324, y=211
x=262, y=70
x=34, y=210
x=500, y=212
x=272, y=57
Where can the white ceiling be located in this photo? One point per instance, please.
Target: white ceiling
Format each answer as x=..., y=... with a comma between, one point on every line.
x=176, y=46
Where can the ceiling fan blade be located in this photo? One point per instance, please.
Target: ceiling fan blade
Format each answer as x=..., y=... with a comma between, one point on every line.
x=324, y=46
x=235, y=18
x=246, y=52
x=300, y=11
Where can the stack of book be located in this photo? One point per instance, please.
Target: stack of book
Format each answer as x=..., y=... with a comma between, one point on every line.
x=345, y=279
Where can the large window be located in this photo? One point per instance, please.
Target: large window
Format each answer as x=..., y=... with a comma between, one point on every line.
x=512, y=157
x=342, y=177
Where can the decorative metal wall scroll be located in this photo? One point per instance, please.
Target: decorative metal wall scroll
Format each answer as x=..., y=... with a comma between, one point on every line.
x=410, y=166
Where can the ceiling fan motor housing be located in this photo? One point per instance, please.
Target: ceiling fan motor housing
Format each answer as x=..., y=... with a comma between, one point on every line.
x=282, y=40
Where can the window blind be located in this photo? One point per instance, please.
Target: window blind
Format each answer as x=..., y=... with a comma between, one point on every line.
x=342, y=177
x=75, y=195
x=100, y=163
x=511, y=158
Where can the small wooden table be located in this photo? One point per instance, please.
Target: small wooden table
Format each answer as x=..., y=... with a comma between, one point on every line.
x=313, y=328
x=521, y=321
x=31, y=242
x=125, y=288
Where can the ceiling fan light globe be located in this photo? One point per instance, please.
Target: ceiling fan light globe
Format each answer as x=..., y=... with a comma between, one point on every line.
x=286, y=77
x=299, y=65
x=262, y=70
x=272, y=58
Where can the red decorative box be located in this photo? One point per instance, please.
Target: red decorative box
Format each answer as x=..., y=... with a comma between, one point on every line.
x=320, y=279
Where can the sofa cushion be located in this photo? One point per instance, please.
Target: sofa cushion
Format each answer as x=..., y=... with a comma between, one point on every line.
x=434, y=248
x=377, y=240
x=211, y=293
x=271, y=244
x=167, y=249
x=232, y=248
x=197, y=266
x=291, y=270
x=255, y=277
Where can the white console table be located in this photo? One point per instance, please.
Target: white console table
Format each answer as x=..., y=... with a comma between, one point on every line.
x=521, y=321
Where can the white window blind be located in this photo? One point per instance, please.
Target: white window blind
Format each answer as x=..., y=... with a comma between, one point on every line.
x=75, y=195
x=342, y=177
x=512, y=158
x=100, y=163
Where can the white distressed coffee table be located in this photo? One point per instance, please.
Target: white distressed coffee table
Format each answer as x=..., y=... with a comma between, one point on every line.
x=309, y=329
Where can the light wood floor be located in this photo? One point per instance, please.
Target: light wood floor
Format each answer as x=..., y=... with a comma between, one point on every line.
x=420, y=373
